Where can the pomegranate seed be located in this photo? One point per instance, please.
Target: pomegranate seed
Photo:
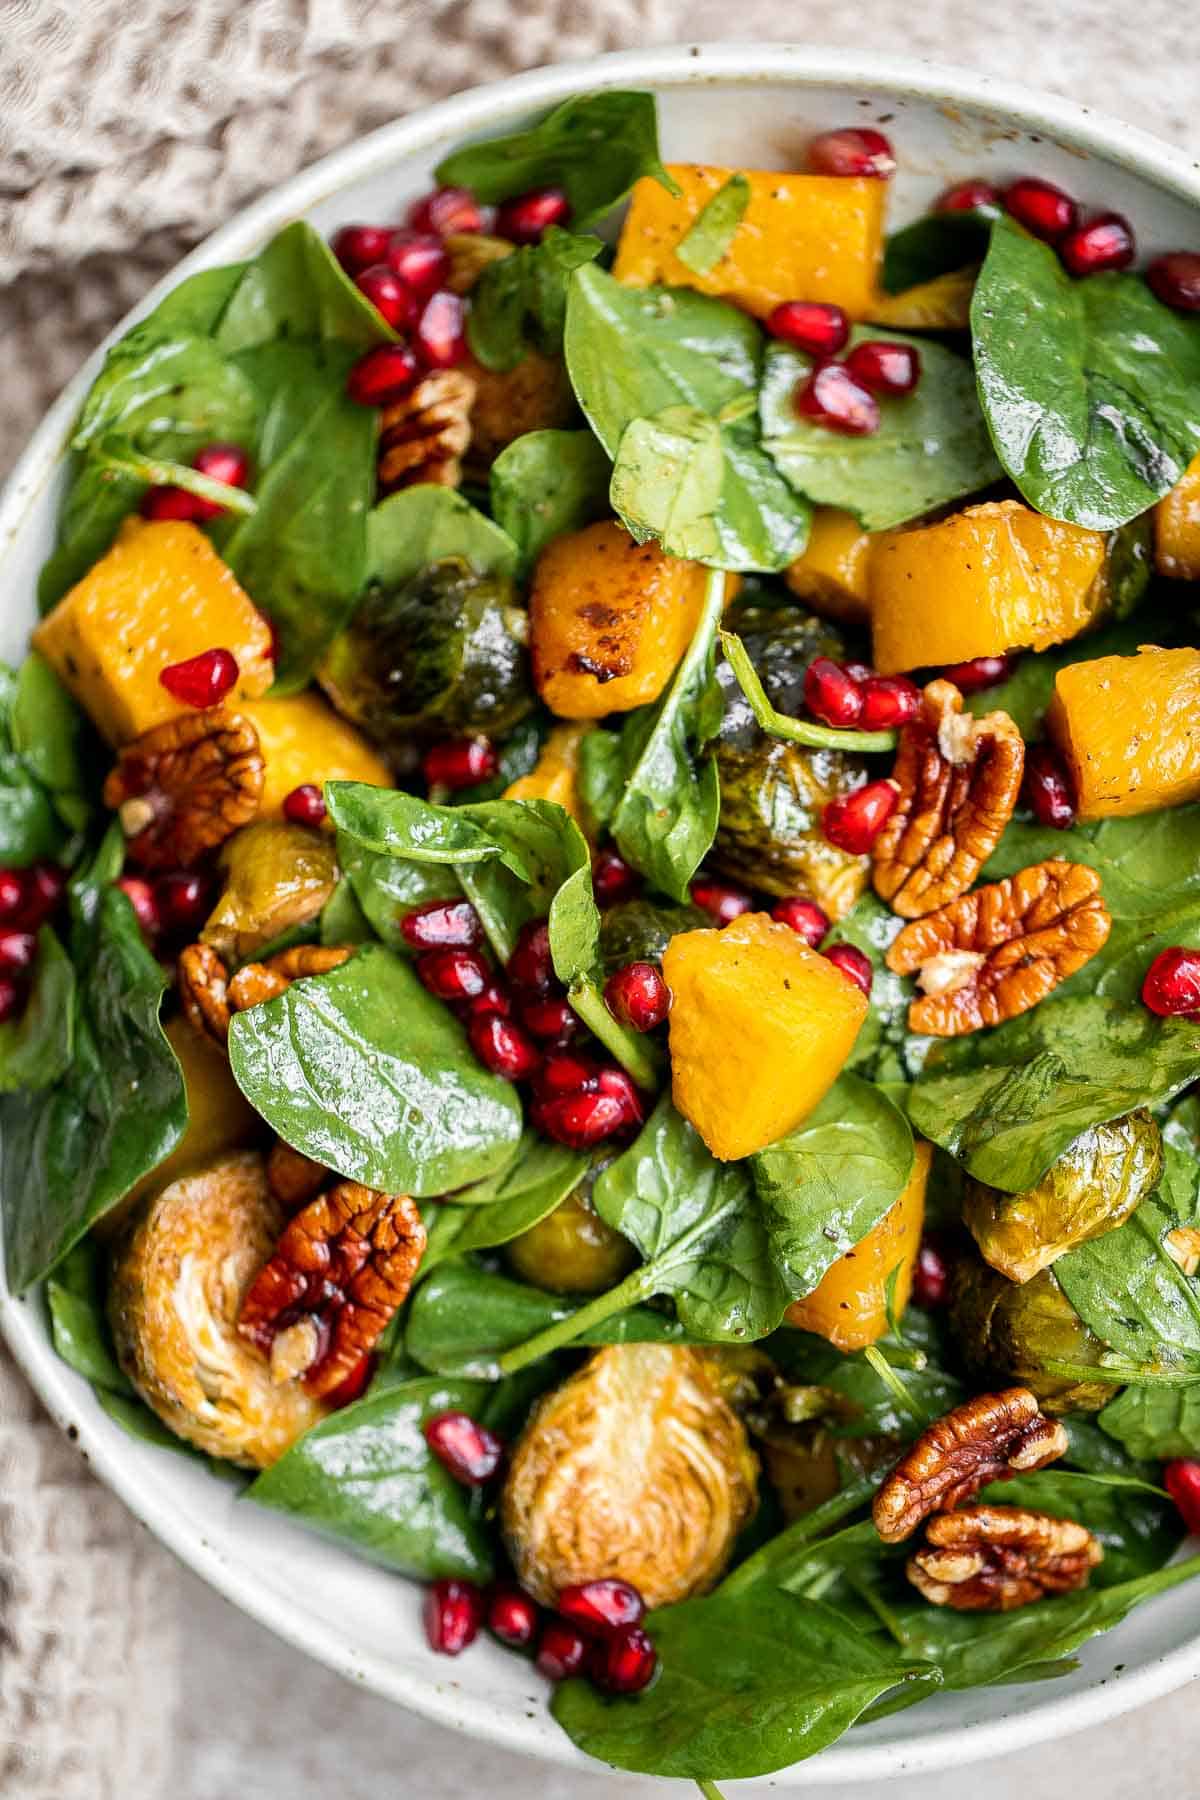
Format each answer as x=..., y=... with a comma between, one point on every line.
x=553, y=1020
x=968, y=196
x=459, y=763
x=419, y=259
x=810, y=325
x=12, y=998
x=493, y=999
x=503, y=1047
x=358, y=246
x=527, y=218
x=17, y=951
x=720, y=899
x=1175, y=280
x=184, y=901
x=562, y=1651
x=453, y=974
x=470, y=1452
x=452, y=1613
x=831, y=396
x=42, y=887
x=1172, y=983
x=513, y=1617
x=889, y=701
x=223, y=462
x=831, y=694
x=625, y=1663
x=884, y=367
x=531, y=966
x=441, y=334
x=805, y=918
x=1105, y=242
x=981, y=672
x=616, y=1084
x=931, y=1276
x=395, y=303
x=442, y=925
x=447, y=212
x=12, y=893
x=1046, y=789
x=355, y=1384
x=201, y=681
x=638, y=996
x=855, y=150
x=612, y=878
x=580, y=1121
x=161, y=503
x=566, y=1074
x=598, y=1608
x=140, y=896
x=856, y=820
x=1181, y=1478
x=1041, y=208
x=854, y=963
x=305, y=805
x=383, y=376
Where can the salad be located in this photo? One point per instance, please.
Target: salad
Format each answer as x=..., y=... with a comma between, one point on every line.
x=600, y=920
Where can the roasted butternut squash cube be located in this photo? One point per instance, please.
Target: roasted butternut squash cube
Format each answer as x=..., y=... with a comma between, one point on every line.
x=1129, y=730
x=1177, y=528
x=819, y=237
x=303, y=740
x=158, y=596
x=849, y=1305
x=760, y=1028
x=833, y=575
x=555, y=775
x=988, y=579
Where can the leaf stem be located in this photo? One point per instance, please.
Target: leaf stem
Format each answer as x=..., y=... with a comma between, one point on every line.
x=892, y=1381
x=773, y=1555
x=780, y=725
x=629, y=1292
x=636, y=1054
x=161, y=473
x=887, y=1618
x=709, y=1789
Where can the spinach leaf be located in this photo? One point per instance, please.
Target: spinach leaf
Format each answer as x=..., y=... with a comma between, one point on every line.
x=365, y=1072
x=98, y=498
x=48, y=730
x=386, y=887
x=1155, y=1422
x=420, y=525
x=636, y=353
x=1091, y=389
x=932, y=446
x=343, y=920
x=667, y=481
x=548, y=482
x=1138, y=1527
x=601, y=776
x=78, y=1326
x=502, y=1207
x=593, y=146
x=712, y=231
x=36, y=819
x=519, y=302
x=934, y=245
x=574, y=925
x=884, y=1049
x=35, y=1048
x=296, y=288
x=861, y=1403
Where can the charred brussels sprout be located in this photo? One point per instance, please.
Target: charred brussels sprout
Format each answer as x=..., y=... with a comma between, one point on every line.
x=444, y=654
x=572, y=1250
x=636, y=1467
x=1095, y=1185
x=276, y=876
x=640, y=930
x=1009, y=1333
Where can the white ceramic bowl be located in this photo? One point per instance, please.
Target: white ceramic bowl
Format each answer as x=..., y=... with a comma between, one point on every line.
x=747, y=105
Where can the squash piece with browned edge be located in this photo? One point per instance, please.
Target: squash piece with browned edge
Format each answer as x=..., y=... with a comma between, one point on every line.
x=160, y=595
x=303, y=740
x=1128, y=728
x=811, y=237
x=760, y=1028
x=555, y=775
x=985, y=580
x=850, y=1303
x=834, y=573
x=1177, y=528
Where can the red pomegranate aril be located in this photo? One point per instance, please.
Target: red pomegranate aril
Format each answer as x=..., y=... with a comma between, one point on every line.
x=562, y=1651
x=1172, y=983
x=531, y=966
x=42, y=887
x=884, y=367
x=813, y=326
x=459, y=763
x=831, y=694
x=419, y=259
x=470, y=1452
x=513, y=1616
x=526, y=218
x=853, y=822
x=858, y=671
x=804, y=917
x=854, y=151
x=453, y=974
x=223, y=462
x=1175, y=280
x=452, y=1614
x=442, y=925
x=598, y=1608
x=503, y=1047
x=563, y=1073
x=553, y=1019
x=1042, y=208
x=174, y=503
x=140, y=896
x=17, y=951
x=392, y=300
x=854, y=963
x=831, y=396
x=493, y=999
x=1046, y=789
x=383, y=376
x=358, y=246
x=721, y=900
x=626, y=1662
x=355, y=1384
x=581, y=1121
x=1105, y=242
x=305, y=805
x=12, y=998
x=981, y=672
x=201, y=681
x=638, y=996
x=12, y=893
x=968, y=196
x=617, y=1084
x=440, y=337
x=889, y=701
x=931, y=1276
x=612, y=878
x=1181, y=1478
x=447, y=212
x=184, y=901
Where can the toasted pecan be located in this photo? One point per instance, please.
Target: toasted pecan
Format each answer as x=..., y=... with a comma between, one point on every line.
x=185, y=786
x=996, y=1558
x=424, y=436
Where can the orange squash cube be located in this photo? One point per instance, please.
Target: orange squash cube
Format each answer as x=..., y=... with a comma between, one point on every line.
x=1129, y=730
x=304, y=740
x=833, y=575
x=555, y=774
x=1177, y=528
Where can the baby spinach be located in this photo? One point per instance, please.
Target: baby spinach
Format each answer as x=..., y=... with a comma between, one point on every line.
x=1155, y=1422
x=501, y=1208
x=1091, y=389
x=78, y=1326
x=936, y=244
x=364, y=1071
x=931, y=447
x=519, y=302
x=593, y=146
x=712, y=231
x=574, y=926
x=296, y=288
x=861, y=1403
x=420, y=525
x=43, y=799
x=387, y=887
x=548, y=482
x=36, y=1047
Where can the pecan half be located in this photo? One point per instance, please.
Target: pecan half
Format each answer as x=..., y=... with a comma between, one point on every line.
x=997, y=951
x=184, y=787
x=292, y=1177
x=996, y=1558
x=424, y=436
x=985, y=1439
x=959, y=778
x=341, y=1269
x=203, y=985
x=210, y=996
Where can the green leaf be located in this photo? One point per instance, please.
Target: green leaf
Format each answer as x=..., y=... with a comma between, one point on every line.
x=78, y=1325
x=861, y=1403
x=47, y=734
x=932, y=445
x=500, y=1208
x=296, y=288
x=545, y=483
x=365, y=1072
x=1155, y=1422
x=1091, y=389
x=519, y=302
x=783, y=725
x=343, y=920
x=937, y=244
x=35, y=1047
x=421, y=525
x=594, y=147
x=712, y=231
x=574, y=925
x=387, y=887
x=667, y=481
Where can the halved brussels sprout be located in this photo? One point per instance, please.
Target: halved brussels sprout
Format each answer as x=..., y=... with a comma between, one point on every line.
x=640, y=930
x=635, y=1468
x=572, y=1250
x=1009, y=1333
x=176, y=1288
x=1095, y=1185
x=276, y=875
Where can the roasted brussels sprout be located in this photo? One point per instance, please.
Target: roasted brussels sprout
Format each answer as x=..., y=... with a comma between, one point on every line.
x=1011, y=1332
x=1096, y=1184
x=640, y=930
x=572, y=1250
x=276, y=876
x=443, y=653
x=177, y=1284
x=635, y=1467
